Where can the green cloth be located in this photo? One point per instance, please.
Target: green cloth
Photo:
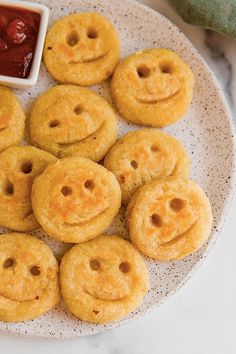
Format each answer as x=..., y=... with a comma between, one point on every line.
x=218, y=15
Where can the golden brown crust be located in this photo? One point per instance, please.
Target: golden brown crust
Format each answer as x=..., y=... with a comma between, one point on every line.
x=153, y=87
x=12, y=119
x=169, y=218
x=29, y=283
x=82, y=49
x=143, y=155
x=68, y=120
x=104, y=279
x=19, y=166
x=75, y=199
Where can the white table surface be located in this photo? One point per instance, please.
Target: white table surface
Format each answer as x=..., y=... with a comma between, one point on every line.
x=201, y=317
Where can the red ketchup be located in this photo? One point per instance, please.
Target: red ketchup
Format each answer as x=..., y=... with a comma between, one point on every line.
x=18, y=38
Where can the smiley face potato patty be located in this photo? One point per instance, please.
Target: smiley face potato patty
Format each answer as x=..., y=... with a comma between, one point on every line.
x=104, y=279
x=69, y=120
x=153, y=87
x=12, y=119
x=19, y=165
x=82, y=49
x=169, y=218
x=75, y=199
x=29, y=284
x=143, y=155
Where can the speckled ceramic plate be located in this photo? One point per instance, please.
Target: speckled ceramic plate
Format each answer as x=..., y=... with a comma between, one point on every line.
x=206, y=132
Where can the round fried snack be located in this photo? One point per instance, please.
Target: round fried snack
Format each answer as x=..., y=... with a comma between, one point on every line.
x=12, y=119
x=169, y=218
x=68, y=120
x=75, y=200
x=29, y=284
x=104, y=279
x=82, y=49
x=143, y=155
x=153, y=87
x=19, y=166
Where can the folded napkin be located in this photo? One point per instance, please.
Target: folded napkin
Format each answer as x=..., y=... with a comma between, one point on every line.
x=218, y=15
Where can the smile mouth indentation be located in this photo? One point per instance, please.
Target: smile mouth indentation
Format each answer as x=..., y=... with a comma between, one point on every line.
x=37, y=297
x=101, y=299
x=21, y=301
x=156, y=100
x=173, y=171
x=65, y=145
x=92, y=60
x=178, y=237
x=27, y=214
x=2, y=129
x=85, y=222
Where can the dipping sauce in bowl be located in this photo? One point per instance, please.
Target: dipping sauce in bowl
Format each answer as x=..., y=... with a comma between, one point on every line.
x=19, y=30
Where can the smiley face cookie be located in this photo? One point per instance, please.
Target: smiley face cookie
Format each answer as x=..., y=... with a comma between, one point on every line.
x=12, y=119
x=19, y=166
x=104, y=279
x=169, y=218
x=28, y=277
x=144, y=155
x=75, y=199
x=153, y=87
x=82, y=49
x=68, y=120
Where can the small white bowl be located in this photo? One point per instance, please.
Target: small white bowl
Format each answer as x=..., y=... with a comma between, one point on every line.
x=34, y=72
